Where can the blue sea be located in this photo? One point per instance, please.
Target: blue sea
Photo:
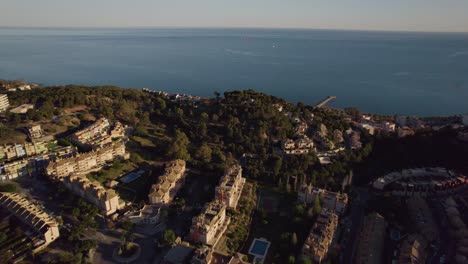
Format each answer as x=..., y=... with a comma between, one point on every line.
x=382, y=72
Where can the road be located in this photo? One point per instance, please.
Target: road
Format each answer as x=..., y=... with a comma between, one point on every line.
x=354, y=221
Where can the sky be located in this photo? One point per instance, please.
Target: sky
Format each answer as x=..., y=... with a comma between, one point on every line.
x=398, y=15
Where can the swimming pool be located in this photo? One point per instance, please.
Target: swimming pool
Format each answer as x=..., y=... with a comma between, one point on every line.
x=259, y=247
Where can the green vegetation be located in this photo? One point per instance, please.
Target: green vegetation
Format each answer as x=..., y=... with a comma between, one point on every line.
x=169, y=237
x=8, y=187
x=238, y=229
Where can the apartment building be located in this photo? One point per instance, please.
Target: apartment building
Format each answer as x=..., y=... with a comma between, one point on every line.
x=86, y=162
x=96, y=130
x=10, y=152
x=168, y=184
x=371, y=242
x=4, y=103
x=321, y=236
x=336, y=202
x=31, y=215
x=107, y=200
x=230, y=186
x=210, y=224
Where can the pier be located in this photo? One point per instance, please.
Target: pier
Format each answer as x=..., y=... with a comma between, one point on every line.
x=324, y=102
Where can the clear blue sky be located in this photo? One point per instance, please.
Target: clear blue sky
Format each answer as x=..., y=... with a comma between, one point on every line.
x=413, y=15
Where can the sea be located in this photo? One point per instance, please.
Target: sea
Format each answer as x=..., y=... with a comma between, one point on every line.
x=405, y=73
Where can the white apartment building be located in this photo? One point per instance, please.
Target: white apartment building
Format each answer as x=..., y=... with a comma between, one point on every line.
x=4, y=103
x=230, y=186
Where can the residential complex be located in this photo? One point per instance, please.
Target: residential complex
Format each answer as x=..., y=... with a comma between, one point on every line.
x=95, y=130
x=208, y=227
x=421, y=182
x=31, y=215
x=302, y=145
x=336, y=202
x=99, y=134
x=371, y=242
x=168, y=184
x=32, y=165
x=321, y=236
x=106, y=200
x=4, y=103
x=230, y=186
x=87, y=162
x=10, y=152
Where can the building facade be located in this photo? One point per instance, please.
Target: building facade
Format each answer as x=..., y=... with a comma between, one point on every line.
x=336, y=202
x=167, y=186
x=4, y=103
x=321, y=236
x=107, y=200
x=230, y=186
x=210, y=224
x=86, y=162
x=45, y=225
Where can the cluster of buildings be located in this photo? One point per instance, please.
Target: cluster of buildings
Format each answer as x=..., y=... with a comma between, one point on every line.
x=301, y=145
x=371, y=240
x=98, y=134
x=16, y=151
x=17, y=86
x=421, y=182
x=31, y=215
x=321, y=236
x=4, y=102
x=32, y=165
x=167, y=186
x=373, y=126
x=107, y=200
x=87, y=162
x=209, y=226
x=333, y=201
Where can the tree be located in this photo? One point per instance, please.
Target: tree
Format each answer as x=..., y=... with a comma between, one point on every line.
x=317, y=207
x=169, y=237
x=294, y=239
x=204, y=153
x=306, y=260
x=178, y=146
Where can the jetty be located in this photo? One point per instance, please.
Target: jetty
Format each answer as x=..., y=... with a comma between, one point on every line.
x=325, y=101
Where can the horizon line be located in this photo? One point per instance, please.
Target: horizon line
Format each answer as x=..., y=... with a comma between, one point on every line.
x=237, y=27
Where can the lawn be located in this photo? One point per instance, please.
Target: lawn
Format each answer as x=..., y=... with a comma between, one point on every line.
x=112, y=172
